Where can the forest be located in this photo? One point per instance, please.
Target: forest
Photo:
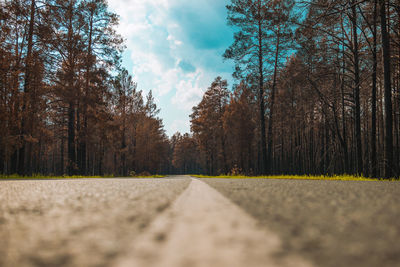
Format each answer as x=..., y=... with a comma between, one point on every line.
x=66, y=104
x=317, y=91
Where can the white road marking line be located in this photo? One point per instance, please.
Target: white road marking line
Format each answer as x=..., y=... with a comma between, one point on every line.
x=202, y=228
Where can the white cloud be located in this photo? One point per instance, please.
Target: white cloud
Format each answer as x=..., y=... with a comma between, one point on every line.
x=188, y=91
x=179, y=126
x=166, y=81
x=174, y=41
x=157, y=43
x=142, y=24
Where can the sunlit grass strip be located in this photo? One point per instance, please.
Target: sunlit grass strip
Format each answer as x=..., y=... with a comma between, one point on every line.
x=151, y=176
x=16, y=176
x=296, y=177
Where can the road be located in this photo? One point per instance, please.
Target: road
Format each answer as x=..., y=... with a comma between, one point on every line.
x=330, y=223
x=181, y=221
x=77, y=222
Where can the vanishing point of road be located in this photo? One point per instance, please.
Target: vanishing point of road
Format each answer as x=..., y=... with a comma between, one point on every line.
x=181, y=221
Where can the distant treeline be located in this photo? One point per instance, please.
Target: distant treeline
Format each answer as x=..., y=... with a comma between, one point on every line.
x=318, y=92
x=66, y=106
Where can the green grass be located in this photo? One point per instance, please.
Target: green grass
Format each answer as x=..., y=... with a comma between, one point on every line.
x=36, y=176
x=150, y=176
x=296, y=177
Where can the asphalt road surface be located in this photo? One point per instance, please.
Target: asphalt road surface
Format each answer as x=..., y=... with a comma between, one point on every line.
x=77, y=222
x=181, y=221
x=330, y=223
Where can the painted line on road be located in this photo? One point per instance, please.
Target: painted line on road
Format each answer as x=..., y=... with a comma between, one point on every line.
x=202, y=228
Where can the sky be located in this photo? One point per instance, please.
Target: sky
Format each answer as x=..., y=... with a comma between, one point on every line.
x=174, y=48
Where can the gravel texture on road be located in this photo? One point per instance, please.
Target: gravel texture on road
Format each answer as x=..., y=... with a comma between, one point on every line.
x=86, y=222
x=330, y=223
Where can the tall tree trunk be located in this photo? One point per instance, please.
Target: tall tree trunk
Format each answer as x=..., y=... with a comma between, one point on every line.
x=344, y=132
x=357, y=126
x=83, y=143
x=223, y=152
x=261, y=101
x=79, y=134
x=388, y=169
x=222, y=139
x=123, y=141
x=62, y=146
x=342, y=84
x=72, y=164
x=271, y=107
x=327, y=159
x=27, y=84
x=374, y=163
x=71, y=139
x=123, y=155
x=397, y=163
